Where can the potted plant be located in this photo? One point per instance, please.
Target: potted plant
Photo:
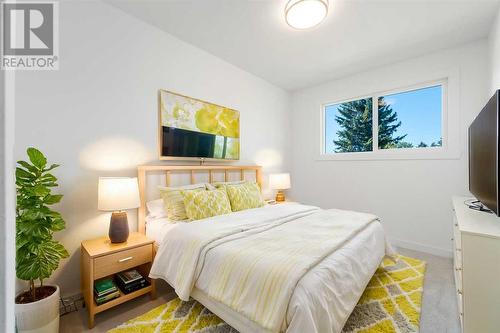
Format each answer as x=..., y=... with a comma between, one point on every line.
x=37, y=253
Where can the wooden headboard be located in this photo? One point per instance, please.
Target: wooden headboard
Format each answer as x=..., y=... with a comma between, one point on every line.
x=192, y=170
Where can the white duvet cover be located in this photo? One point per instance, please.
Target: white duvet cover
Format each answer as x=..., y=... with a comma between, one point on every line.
x=276, y=267
x=157, y=228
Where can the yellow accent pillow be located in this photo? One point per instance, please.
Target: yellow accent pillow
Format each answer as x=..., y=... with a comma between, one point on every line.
x=202, y=204
x=174, y=201
x=222, y=185
x=244, y=196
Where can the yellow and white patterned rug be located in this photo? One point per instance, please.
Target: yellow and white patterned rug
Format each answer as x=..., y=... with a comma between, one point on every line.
x=392, y=300
x=391, y=303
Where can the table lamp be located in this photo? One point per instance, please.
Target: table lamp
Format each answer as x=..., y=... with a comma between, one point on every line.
x=280, y=182
x=117, y=194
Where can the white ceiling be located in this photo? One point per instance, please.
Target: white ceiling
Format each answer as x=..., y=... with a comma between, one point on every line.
x=356, y=35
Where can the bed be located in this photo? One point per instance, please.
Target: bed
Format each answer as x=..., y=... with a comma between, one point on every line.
x=222, y=261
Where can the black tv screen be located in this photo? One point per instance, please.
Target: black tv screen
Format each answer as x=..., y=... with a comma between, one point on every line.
x=483, y=155
x=180, y=142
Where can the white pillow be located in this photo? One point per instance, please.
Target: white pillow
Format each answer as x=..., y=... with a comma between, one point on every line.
x=156, y=208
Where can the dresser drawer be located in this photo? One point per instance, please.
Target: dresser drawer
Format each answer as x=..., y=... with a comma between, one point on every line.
x=457, y=237
x=460, y=304
x=457, y=272
x=120, y=261
x=457, y=257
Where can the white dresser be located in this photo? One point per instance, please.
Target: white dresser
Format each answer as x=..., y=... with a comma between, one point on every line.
x=476, y=248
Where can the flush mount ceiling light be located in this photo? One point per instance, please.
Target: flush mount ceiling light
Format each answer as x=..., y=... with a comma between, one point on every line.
x=303, y=14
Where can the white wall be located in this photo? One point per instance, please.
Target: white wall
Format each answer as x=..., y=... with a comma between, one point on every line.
x=494, y=55
x=97, y=115
x=7, y=202
x=413, y=197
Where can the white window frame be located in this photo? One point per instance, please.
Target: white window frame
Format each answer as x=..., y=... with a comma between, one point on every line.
x=448, y=150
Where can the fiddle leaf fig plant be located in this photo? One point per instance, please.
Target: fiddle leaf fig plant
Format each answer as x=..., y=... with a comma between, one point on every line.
x=37, y=253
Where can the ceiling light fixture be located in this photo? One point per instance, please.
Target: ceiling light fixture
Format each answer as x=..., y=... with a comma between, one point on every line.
x=303, y=14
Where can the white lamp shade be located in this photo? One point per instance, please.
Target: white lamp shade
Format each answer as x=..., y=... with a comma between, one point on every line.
x=279, y=181
x=117, y=193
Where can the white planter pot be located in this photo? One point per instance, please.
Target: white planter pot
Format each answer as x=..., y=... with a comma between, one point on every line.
x=39, y=317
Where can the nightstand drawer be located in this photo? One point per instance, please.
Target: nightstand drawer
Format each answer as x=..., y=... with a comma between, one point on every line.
x=120, y=261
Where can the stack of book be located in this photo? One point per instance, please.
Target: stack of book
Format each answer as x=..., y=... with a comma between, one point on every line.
x=104, y=291
x=130, y=281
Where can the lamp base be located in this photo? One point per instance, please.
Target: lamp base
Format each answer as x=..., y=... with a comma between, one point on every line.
x=118, y=227
x=280, y=196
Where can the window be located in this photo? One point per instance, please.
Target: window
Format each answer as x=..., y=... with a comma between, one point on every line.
x=410, y=120
x=349, y=126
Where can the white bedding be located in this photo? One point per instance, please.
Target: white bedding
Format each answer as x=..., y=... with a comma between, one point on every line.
x=157, y=228
x=322, y=299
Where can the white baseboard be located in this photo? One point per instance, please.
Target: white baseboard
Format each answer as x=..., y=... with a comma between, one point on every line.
x=422, y=248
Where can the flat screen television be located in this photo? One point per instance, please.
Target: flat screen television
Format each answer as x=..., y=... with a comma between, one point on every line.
x=483, y=155
x=190, y=128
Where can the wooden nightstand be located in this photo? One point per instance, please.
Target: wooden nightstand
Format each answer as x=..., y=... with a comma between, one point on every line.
x=100, y=259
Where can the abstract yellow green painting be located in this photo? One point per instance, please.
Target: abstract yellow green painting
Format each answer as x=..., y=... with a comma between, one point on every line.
x=190, y=127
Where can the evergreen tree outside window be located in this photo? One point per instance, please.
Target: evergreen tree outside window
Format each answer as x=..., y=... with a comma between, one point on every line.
x=349, y=126
x=408, y=119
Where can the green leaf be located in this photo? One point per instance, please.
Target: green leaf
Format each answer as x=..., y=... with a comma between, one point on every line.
x=41, y=190
x=52, y=199
x=48, y=178
x=23, y=174
x=28, y=166
x=42, y=261
x=21, y=242
x=58, y=224
x=32, y=214
x=34, y=229
x=36, y=157
x=53, y=166
x=54, y=214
